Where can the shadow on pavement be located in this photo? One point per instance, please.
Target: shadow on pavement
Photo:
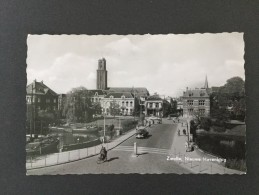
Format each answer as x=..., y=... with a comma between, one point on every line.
x=139, y=154
x=111, y=159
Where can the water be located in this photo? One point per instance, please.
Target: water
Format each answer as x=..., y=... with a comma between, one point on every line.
x=69, y=138
x=224, y=147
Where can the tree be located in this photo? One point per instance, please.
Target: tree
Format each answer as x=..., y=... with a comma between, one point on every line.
x=114, y=108
x=205, y=123
x=173, y=107
x=193, y=127
x=97, y=108
x=229, y=101
x=78, y=105
x=197, y=116
x=234, y=85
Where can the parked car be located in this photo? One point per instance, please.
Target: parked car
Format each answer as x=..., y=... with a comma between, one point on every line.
x=141, y=132
x=154, y=120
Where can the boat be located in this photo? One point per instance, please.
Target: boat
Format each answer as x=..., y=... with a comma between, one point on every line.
x=46, y=145
x=88, y=129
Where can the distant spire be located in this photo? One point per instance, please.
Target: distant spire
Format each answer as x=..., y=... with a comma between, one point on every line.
x=206, y=85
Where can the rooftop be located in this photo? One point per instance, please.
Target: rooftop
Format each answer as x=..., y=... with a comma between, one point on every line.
x=196, y=93
x=119, y=95
x=39, y=88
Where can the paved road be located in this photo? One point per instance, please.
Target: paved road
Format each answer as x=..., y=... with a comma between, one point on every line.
x=121, y=160
x=161, y=136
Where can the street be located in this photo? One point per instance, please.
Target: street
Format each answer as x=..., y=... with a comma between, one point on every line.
x=152, y=156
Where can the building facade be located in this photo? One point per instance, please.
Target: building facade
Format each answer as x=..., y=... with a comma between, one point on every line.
x=196, y=102
x=41, y=96
x=101, y=75
x=125, y=103
x=155, y=106
x=97, y=95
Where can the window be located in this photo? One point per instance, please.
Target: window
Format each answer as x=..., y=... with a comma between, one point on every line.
x=190, y=111
x=127, y=103
x=157, y=105
x=130, y=104
x=150, y=105
x=123, y=97
x=111, y=97
x=38, y=99
x=48, y=100
x=201, y=102
x=189, y=102
x=28, y=99
x=122, y=103
x=54, y=100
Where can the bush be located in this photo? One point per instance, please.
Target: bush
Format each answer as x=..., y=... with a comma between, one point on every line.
x=219, y=123
x=205, y=123
x=219, y=129
x=127, y=125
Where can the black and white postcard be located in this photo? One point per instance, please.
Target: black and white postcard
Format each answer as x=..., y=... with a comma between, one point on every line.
x=147, y=104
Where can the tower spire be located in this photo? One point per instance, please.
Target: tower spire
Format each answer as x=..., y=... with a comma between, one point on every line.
x=206, y=85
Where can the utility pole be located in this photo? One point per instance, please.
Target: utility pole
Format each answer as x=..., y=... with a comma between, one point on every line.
x=32, y=122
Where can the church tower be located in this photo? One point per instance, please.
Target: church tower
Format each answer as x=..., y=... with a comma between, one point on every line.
x=101, y=75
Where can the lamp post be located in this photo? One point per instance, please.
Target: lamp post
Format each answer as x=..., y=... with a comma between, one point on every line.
x=188, y=128
x=104, y=105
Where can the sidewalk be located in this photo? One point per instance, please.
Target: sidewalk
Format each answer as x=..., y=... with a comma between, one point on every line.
x=196, y=161
x=74, y=155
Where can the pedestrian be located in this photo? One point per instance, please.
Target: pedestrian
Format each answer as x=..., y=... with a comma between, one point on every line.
x=184, y=132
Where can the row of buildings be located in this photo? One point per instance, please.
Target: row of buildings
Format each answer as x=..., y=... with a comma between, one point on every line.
x=128, y=98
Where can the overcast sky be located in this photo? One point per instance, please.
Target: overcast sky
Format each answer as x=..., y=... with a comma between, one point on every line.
x=165, y=64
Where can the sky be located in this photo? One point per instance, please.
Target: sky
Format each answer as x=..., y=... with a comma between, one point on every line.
x=165, y=64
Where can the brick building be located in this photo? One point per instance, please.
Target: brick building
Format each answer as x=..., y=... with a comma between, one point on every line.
x=41, y=96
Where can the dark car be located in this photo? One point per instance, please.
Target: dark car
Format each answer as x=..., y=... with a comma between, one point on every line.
x=142, y=133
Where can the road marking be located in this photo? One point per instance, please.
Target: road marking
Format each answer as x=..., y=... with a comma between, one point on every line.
x=142, y=149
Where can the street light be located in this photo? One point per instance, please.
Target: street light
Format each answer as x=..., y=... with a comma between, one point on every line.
x=104, y=105
x=188, y=128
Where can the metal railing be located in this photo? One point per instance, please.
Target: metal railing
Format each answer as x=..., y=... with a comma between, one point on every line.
x=68, y=156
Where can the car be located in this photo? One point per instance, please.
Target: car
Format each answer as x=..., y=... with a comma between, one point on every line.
x=142, y=132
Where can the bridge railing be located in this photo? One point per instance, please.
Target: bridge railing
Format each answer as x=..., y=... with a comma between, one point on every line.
x=68, y=156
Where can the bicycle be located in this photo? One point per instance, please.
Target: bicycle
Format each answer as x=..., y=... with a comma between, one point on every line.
x=101, y=159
